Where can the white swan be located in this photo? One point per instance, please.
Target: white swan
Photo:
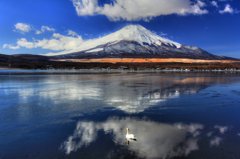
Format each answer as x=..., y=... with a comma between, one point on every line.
x=130, y=137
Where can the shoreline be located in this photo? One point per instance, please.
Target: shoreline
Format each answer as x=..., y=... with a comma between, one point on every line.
x=145, y=60
x=103, y=71
x=123, y=64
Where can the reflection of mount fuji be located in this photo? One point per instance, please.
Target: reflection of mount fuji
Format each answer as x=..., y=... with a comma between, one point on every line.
x=138, y=94
x=130, y=93
x=133, y=99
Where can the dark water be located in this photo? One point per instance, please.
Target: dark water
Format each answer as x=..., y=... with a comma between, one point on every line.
x=172, y=115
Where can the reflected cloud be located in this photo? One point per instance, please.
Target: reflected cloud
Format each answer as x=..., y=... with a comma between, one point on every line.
x=154, y=139
x=216, y=141
x=194, y=129
x=221, y=129
x=209, y=134
x=71, y=92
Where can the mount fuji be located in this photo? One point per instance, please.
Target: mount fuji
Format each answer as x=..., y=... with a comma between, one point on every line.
x=132, y=47
x=135, y=41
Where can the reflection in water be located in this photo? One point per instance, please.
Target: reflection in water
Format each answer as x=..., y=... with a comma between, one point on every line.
x=131, y=94
x=216, y=141
x=39, y=112
x=221, y=129
x=154, y=139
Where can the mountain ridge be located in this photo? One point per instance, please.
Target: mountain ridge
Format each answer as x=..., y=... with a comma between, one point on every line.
x=136, y=41
x=132, y=47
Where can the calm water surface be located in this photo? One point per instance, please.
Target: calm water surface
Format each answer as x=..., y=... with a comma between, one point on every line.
x=172, y=115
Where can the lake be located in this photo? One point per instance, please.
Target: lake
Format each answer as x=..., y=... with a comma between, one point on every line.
x=172, y=115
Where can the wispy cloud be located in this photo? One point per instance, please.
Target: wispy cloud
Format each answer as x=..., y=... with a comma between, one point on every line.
x=73, y=33
x=22, y=27
x=228, y=9
x=139, y=9
x=45, y=29
x=57, y=42
x=10, y=46
x=214, y=3
x=221, y=129
x=26, y=28
x=216, y=141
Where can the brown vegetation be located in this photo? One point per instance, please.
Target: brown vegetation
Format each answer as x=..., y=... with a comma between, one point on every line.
x=146, y=60
x=41, y=62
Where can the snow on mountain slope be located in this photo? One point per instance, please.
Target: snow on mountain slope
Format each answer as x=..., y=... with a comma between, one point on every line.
x=139, y=34
x=134, y=41
x=135, y=33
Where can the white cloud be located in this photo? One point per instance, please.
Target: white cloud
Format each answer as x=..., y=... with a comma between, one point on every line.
x=10, y=46
x=227, y=9
x=45, y=29
x=23, y=27
x=57, y=42
x=72, y=33
x=197, y=9
x=85, y=7
x=21, y=43
x=214, y=3
x=25, y=43
x=138, y=9
x=200, y=3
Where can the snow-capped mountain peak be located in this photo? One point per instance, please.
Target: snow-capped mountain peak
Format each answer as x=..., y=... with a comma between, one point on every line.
x=134, y=41
x=131, y=33
x=141, y=35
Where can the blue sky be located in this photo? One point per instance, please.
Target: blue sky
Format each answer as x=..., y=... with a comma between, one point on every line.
x=44, y=26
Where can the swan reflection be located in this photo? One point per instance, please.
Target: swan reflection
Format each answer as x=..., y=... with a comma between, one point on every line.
x=155, y=140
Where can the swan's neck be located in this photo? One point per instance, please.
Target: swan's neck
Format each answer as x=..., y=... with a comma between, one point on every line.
x=127, y=131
